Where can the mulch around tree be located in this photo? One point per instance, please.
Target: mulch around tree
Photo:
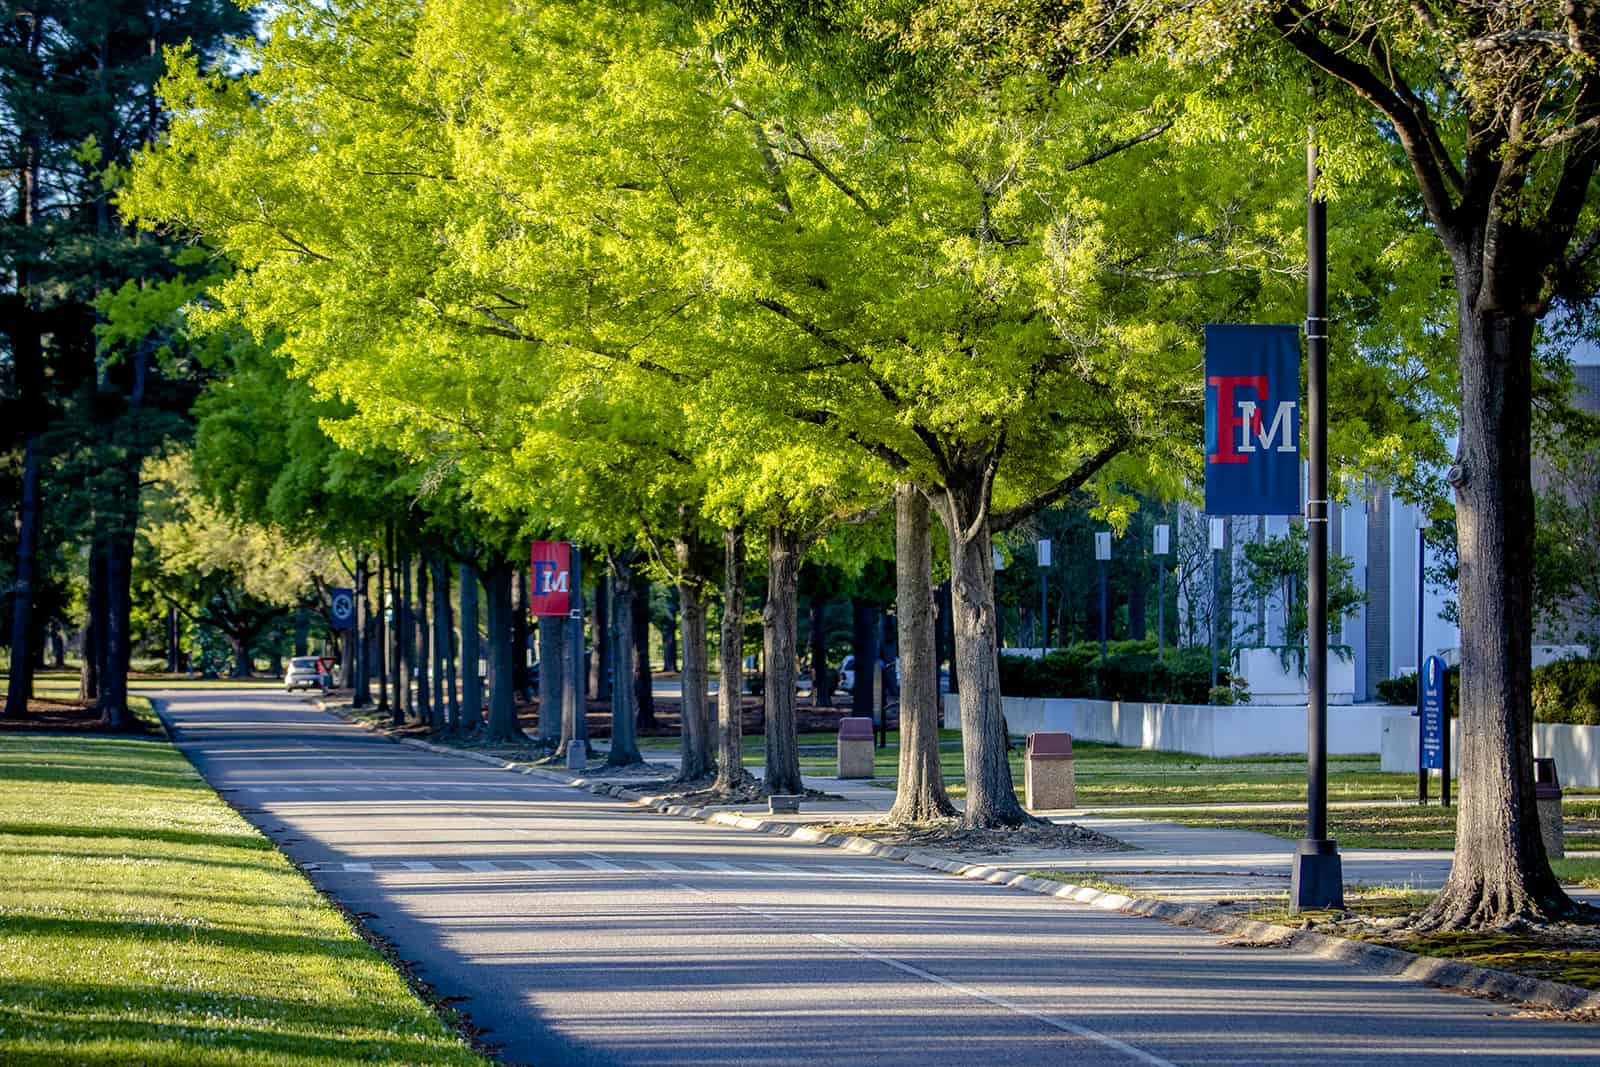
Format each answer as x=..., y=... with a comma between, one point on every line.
x=70, y=716
x=947, y=835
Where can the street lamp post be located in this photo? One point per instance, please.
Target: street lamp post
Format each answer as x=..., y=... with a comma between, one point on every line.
x=1162, y=546
x=1317, y=878
x=1102, y=552
x=1422, y=548
x=1218, y=536
x=1044, y=599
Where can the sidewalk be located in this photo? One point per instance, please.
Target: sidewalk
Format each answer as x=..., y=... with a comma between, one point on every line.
x=1169, y=860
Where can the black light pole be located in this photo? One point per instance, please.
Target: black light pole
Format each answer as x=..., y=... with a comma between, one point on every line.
x=1161, y=546
x=1102, y=552
x=1422, y=548
x=579, y=676
x=1217, y=538
x=1317, y=880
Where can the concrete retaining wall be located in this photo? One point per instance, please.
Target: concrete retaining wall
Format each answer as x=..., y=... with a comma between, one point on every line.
x=1576, y=749
x=1198, y=729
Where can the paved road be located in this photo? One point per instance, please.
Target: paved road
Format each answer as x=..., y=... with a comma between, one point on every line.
x=581, y=931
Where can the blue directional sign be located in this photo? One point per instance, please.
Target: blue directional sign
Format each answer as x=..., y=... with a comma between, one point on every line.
x=342, y=606
x=1433, y=714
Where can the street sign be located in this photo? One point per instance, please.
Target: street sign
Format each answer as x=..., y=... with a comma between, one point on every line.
x=1432, y=726
x=1252, y=420
x=1163, y=539
x=1044, y=552
x=1102, y=545
x=550, y=586
x=342, y=606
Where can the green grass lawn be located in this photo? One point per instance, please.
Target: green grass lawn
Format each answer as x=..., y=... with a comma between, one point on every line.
x=1110, y=775
x=143, y=921
x=1432, y=827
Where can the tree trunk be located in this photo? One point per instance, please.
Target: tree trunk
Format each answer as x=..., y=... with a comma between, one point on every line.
x=731, y=774
x=821, y=682
x=94, y=630
x=471, y=717
x=302, y=630
x=446, y=708
x=624, y=738
x=779, y=643
x=695, y=733
x=114, y=714
x=361, y=696
x=964, y=506
x=919, y=792
x=428, y=711
x=502, y=636
x=643, y=694
x=20, y=685
x=385, y=642
x=554, y=662
x=1500, y=872
x=864, y=642
x=523, y=629
x=405, y=639
x=600, y=683
x=947, y=633
x=669, y=634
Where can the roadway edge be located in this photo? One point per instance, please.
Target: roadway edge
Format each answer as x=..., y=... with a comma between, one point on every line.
x=1428, y=970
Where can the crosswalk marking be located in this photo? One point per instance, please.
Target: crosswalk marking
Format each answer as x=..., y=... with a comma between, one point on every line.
x=538, y=865
x=481, y=866
x=419, y=865
x=580, y=866
x=663, y=866
x=599, y=865
x=716, y=865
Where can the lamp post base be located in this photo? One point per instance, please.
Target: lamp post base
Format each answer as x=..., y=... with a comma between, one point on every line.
x=1317, y=878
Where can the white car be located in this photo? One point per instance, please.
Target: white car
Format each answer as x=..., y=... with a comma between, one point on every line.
x=847, y=675
x=305, y=672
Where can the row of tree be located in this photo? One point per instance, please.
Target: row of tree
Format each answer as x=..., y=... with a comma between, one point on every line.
x=699, y=284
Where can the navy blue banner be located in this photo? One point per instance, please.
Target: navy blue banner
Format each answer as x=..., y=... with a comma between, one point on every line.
x=1253, y=420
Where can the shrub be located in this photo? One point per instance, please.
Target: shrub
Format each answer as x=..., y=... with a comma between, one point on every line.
x=1402, y=691
x=1567, y=691
x=1132, y=672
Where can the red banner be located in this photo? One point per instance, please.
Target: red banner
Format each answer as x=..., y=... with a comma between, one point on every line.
x=549, y=590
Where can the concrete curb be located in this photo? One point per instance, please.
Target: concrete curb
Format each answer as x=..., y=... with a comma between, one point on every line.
x=1380, y=959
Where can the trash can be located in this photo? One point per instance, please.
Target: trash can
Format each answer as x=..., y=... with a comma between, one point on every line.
x=1547, y=792
x=855, y=747
x=1049, y=772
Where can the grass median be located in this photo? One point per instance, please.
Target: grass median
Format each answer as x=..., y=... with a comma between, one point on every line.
x=143, y=921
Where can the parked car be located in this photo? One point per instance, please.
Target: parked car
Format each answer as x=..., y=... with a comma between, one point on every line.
x=847, y=676
x=305, y=672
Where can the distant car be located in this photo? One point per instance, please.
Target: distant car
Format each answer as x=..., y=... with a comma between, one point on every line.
x=847, y=675
x=305, y=672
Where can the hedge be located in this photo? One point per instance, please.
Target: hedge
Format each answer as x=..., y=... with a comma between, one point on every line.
x=1567, y=691
x=1132, y=671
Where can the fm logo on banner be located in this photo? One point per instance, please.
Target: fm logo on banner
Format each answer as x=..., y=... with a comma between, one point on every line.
x=1252, y=420
x=550, y=591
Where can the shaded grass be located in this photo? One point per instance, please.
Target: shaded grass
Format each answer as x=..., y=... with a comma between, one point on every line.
x=1578, y=872
x=1432, y=827
x=143, y=921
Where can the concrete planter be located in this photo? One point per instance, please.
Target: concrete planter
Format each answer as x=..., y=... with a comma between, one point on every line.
x=1198, y=729
x=1270, y=684
x=1576, y=749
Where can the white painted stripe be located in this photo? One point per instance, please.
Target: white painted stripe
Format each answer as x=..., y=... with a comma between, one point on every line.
x=481, y=866
x=1137, y=1054
x=538, y=865
x=781, y=868
x=419, y=865
x=717, y=865
x=597, y=865
x=358, y=868
x=662, y=865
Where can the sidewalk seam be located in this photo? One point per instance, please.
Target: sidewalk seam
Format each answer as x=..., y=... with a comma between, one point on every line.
x=1428, y=970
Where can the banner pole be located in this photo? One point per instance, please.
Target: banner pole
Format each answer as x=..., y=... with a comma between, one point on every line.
x=1317, y=880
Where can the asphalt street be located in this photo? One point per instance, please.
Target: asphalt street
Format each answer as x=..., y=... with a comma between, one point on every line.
x=575, y=929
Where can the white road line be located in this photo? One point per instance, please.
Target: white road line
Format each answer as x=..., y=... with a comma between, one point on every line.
x=1137, y=1054
x=718, y=865
x=539, y=865
x=481, y=866
x=358, y=868
x=419, y=865
x=782, y=868
x=598, y=865
x=662, y=865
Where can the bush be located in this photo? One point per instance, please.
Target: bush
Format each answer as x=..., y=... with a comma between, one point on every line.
x=1567, y=691
x=1132, y=672
x=1402, y=691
